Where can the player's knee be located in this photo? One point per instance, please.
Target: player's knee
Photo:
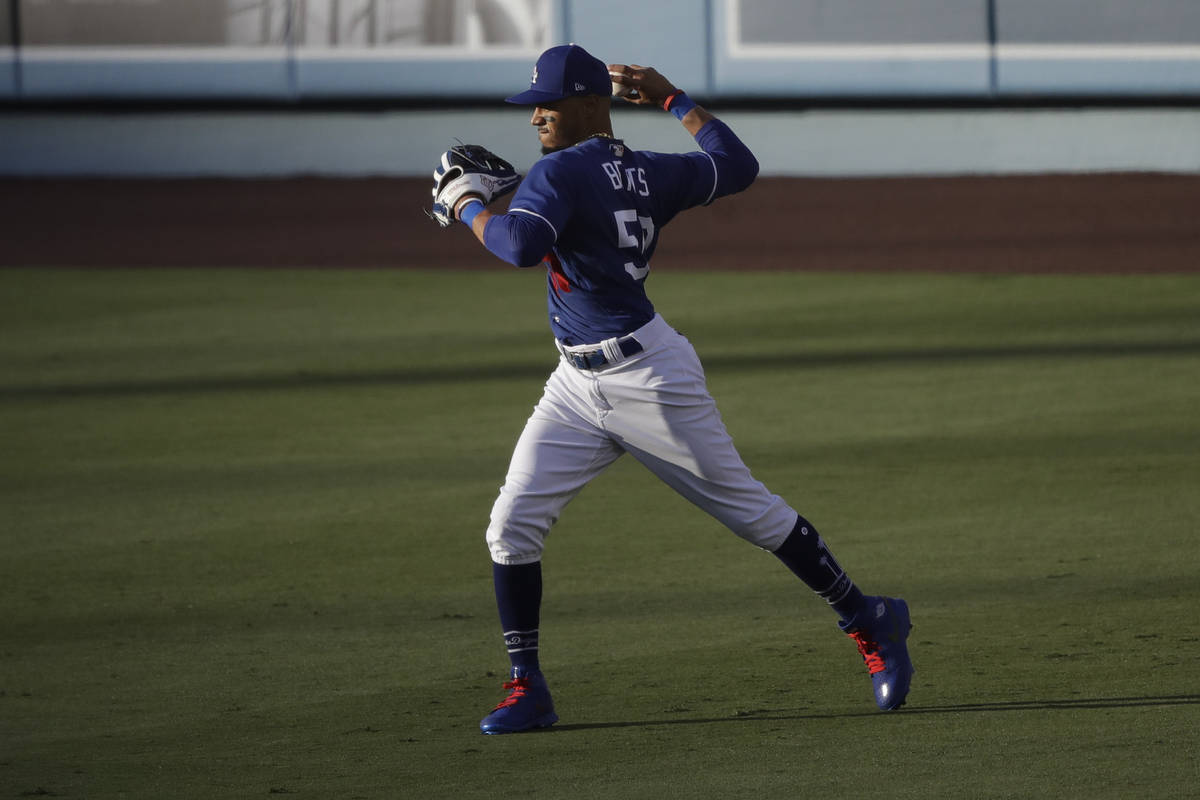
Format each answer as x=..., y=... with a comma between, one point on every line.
x=510, y=545
x=516, y=533
x=769, y=528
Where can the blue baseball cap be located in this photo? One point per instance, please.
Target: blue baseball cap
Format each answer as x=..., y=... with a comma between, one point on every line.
x=564, y=71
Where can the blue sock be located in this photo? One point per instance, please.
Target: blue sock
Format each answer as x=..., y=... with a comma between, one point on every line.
x=806, y=555
x=519, y=600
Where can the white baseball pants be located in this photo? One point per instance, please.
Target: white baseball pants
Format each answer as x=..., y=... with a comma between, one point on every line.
x=654, y=405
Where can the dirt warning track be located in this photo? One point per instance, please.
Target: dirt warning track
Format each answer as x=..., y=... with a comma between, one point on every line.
x=1108, y=223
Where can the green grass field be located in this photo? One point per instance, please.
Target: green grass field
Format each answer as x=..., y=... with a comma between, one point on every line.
x=243, y=552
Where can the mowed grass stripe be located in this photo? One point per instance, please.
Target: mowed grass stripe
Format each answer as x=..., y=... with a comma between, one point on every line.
x=243, y=515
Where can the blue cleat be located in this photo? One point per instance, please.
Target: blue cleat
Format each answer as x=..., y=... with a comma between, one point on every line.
x=880, y=631
x=527, y=706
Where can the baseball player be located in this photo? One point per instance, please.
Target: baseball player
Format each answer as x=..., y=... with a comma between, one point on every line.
x=592, y=210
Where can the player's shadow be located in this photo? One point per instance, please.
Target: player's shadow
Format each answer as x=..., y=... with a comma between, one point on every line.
x=781, y=715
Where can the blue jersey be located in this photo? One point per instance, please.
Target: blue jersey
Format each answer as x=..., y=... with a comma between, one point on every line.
x=592, y=213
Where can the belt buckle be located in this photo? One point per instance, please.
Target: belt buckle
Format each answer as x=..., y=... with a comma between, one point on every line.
x=589, y=360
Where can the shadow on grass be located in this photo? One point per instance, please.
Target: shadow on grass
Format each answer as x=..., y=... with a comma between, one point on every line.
x=767, y=715
x=465, y=373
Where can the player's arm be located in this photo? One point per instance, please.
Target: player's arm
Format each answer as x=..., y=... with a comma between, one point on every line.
x=736, y=166
x=470, y=177
x=477, y=221
x=520, y=239
x=647, y=86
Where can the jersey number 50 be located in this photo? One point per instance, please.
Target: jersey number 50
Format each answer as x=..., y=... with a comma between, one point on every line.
x=629, y=225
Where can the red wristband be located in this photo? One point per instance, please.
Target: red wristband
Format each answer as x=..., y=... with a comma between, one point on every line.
x=670, y=97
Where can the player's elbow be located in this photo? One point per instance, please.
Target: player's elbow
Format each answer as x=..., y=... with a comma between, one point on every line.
x=517, y=240
x=735, y=172
x=745, y=170
x=528, y=251
x=529, y=257
x=753, y=166
x=522, y=256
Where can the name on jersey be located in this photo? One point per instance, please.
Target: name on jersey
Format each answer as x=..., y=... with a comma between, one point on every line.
x=629, y=179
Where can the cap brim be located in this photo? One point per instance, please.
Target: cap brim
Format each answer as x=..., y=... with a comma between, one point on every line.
x=533, y=97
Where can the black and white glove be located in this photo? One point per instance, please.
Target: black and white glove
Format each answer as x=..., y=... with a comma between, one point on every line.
x=469, y=169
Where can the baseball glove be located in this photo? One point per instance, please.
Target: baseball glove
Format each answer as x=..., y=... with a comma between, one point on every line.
x=469, y=169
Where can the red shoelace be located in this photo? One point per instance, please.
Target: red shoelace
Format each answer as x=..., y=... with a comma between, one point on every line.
x=518, y=686
x=869, y=651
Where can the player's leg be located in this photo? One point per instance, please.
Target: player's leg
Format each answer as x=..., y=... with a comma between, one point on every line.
x=662, y=413
x=558, y=452
x=676, y=431
x=715, y=479
x=879, y=626
x=551, y=464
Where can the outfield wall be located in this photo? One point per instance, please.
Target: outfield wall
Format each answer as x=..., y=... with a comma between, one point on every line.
x=301, y=50
x=380, y=87
x=820, y=142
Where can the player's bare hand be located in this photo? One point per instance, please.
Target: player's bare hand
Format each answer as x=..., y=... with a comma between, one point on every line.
x=647, y=84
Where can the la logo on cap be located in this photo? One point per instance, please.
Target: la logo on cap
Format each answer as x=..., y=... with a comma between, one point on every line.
x=533, y=78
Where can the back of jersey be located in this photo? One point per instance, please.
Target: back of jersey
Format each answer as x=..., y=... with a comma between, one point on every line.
x=607, y=204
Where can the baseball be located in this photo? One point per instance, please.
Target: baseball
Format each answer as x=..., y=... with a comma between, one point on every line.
x=620, y=89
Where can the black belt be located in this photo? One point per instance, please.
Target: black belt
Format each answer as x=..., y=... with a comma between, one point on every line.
x=594, y=359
